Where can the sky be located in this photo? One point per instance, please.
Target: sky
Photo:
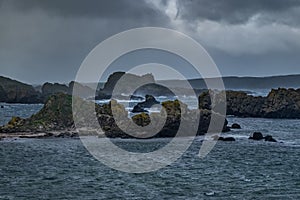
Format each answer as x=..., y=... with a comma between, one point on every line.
x=48, y=40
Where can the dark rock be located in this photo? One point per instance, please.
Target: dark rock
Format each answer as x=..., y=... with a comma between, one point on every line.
x=149, y=101
x=256, y=136
x=229, y=139
x=135, y=97
x=269, y=138
x=155, y=90
x=81, y=90
x=226, y=139
x=57, y=115
x=12, y=91
x=236, y=126
x=138, y=109
x=126, y=84
x=2, y=106
x=280, y=103
x=49, y=89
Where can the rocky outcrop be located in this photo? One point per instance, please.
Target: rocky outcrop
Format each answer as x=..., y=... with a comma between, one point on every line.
x=256, y=136
x=280, y=103
x=49, y=89
x=259, y=136
x=12, y=91
x=148, y=103
x=126, y=84
x=57, y=115
x=82, y=91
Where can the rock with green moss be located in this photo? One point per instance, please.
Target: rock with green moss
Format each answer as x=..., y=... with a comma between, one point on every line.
x=58, y=115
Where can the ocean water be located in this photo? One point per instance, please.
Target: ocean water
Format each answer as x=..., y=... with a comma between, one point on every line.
x=7, y=111
x=244, y=169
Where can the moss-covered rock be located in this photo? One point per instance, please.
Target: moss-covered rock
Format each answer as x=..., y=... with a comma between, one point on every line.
x=57, y=115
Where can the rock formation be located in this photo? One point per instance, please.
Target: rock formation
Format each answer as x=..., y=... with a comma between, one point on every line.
x=12, y=91
x=280, y=103
x=148, y=103
x=57, y=115
x=259, y=136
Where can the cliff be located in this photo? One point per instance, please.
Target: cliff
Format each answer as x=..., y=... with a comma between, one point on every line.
x=12, y=91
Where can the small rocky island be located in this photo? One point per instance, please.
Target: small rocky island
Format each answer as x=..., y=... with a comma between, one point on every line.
x=56, y=119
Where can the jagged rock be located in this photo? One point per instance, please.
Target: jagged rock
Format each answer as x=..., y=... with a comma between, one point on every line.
x=256, y=136
x=236, y=126
x=126, y=84
x=81, y=90
x=148, y=103
x=155, y=90
x=280, y=103
x=49, y=89
x=138, y=109
x=57, y=115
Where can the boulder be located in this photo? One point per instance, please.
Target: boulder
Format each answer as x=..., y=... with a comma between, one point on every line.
x=256, y=136
x=229, y=139
x=226, y=139
x=236, y=126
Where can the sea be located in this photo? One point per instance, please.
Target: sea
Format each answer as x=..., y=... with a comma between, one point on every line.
x=64, y=169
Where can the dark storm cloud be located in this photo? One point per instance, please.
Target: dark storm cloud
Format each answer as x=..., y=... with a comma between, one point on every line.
x=88, y=8
x=46, y=40
x=41, y=39
x=240, y=11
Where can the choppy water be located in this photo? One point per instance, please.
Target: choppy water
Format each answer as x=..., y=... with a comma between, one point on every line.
x=21, y=110
x=63, y=169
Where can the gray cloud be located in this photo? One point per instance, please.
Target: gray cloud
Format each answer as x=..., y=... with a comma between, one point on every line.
x=125, y=9
x=238, y=12
x=46, y=40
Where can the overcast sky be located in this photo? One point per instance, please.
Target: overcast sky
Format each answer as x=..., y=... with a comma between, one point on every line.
x=47, y=40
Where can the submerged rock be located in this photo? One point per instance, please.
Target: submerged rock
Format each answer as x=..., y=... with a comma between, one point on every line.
x=269, y=138
x=226, y=139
